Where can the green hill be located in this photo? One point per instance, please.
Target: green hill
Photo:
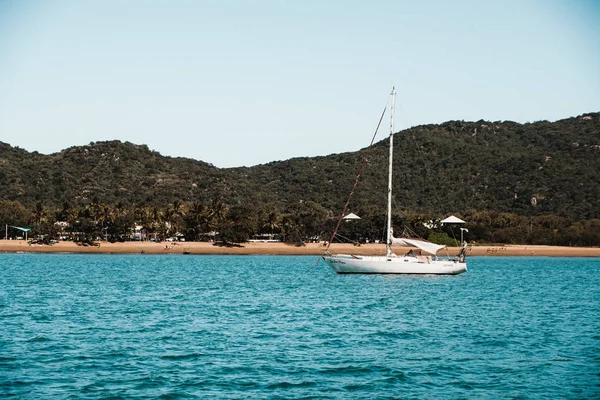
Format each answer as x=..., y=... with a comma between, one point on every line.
x=529, y=169
x=534, y=169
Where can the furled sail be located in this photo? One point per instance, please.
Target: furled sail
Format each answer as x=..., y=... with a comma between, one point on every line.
x=424, y=245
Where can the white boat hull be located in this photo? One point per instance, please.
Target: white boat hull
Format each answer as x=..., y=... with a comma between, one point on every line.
x=349, y=264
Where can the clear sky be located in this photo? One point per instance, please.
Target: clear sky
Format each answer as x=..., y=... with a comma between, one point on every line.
x=248, y=82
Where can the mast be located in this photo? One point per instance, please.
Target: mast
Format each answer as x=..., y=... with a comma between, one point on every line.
x=388, y=246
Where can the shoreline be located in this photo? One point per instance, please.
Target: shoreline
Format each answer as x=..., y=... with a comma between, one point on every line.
x=21, y=246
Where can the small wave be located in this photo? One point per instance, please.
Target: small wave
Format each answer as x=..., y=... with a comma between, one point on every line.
x=389, y=334
x=492, y=343
x=286, y=385
x=461, y=384
x=38, y=339
x=353, y=369
x=334, y=342
x=405, y=335
x=264, y=335
x=41, y=317
x=396, y=377
x=175, y=395
x=18, y=383
x=256, y=311
x=190, y=356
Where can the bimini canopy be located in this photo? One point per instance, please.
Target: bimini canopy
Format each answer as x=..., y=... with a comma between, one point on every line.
x=424, y=245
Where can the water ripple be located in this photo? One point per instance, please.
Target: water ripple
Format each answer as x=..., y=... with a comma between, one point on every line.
x=81, y=326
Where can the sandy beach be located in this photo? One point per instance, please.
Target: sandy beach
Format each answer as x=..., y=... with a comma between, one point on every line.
x=16, y=246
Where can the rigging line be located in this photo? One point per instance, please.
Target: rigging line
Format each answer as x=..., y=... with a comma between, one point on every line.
x=319, y=258
x=454, y=237
x=346, y=239
x=314, y=265
x=360, y=171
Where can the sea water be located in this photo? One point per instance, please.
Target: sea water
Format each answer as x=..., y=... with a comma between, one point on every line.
x=272, y=327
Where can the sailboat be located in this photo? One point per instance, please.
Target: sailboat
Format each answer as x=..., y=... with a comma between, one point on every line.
x=423, y=260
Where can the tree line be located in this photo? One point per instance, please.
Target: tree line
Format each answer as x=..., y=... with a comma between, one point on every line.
x=294, y=224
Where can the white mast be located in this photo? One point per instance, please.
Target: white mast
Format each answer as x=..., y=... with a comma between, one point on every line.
x=388, y=246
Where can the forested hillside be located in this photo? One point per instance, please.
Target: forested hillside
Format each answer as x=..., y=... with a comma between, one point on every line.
x=529, y=169
x=535, y=170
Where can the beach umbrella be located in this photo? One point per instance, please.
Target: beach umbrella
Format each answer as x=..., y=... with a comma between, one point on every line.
x=452, y=220
x=351, y=217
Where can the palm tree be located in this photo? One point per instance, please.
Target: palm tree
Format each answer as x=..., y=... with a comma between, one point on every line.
x=39, y=214
x=273, y=222
x=176, y=207
x=199, y=219
x=123, y=220
x=107, y=218
x=218, y=211
x=291, y=229
x=156, y=221
x=172, y=216
x=269, y=220
x=38, y=217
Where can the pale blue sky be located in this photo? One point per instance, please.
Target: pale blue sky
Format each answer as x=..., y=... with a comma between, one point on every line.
x=248, y=82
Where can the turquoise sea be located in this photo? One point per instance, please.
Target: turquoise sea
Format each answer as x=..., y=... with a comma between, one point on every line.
x=237, y=327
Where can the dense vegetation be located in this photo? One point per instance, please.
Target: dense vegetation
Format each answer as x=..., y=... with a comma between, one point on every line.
x=512, y=183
